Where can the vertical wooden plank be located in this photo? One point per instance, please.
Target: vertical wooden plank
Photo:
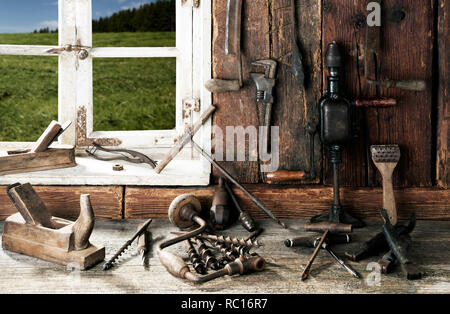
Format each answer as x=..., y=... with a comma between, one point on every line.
x=202, y=72
x=239, y=108
x=443, y=130
x=407, y=53
x=294, y=105
x=344, y=22
x=407, y=43
x=67, y=100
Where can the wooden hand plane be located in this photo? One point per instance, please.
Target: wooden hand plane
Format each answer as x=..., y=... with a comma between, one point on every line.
x=34, y=232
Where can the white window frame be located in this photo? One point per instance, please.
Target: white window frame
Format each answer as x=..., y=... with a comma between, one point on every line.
x=75, y=101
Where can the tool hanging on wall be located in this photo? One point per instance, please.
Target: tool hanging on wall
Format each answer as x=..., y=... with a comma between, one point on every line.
x=121, y=154
x=232, y=49
x=33, y=231
x=265, y=82
x=372, y=58
x=336, y=125
x=385, y=158
x=109, y=264
x=297, y=62
x=186, y=138
x=184, y=213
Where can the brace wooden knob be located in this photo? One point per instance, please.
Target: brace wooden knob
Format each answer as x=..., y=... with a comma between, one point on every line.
x=285, y=176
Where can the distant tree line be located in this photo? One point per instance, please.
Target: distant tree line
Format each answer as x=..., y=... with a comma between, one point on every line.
x=157, y=16
x=45, y=30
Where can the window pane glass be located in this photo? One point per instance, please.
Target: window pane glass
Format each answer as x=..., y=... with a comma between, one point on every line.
x=28, y=96
x=134, y=94
x=130, y=23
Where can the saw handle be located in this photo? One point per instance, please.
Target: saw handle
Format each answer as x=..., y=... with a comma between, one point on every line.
x=285, y=176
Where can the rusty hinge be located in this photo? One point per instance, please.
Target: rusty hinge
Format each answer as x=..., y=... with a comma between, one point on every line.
x=81, y=51
x=195, y=3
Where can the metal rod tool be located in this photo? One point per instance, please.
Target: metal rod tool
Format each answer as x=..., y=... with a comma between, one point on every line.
x=111, y=262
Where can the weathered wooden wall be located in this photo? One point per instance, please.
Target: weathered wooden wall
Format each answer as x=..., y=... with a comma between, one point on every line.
x=408, y=52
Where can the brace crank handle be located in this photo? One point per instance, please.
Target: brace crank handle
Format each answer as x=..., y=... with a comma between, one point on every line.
x=222, y=86
x=286, y=176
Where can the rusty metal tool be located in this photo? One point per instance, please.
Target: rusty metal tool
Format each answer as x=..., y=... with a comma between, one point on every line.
x=227, y=240
x=143, y=241
x=207, y=255
x=378, y=244
x=297, y=62
x=244, y=217
x=255, y=200
x=307, y=269
x=265, y=82
x=184, y=212
x=134, y=156
x=232, y=48
x=184, y=139
x=196, y=260
x=113, y=259
x=220, y=209
x=336, y=131
x=327, y=248
x=386, y=158
x=399, y=247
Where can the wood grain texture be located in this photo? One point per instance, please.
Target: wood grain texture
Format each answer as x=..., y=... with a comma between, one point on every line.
x=29, y=162
x=64, y=201
x=294, y=202
x=268, y=34
x=443, y=130
x=430, y=250
x=407, y=53
x=239, y=108
x=295, y=106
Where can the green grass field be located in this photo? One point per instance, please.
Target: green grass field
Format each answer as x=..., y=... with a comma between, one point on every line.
x=129, y=94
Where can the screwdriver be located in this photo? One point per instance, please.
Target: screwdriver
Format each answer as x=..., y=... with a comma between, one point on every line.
x=325, y=245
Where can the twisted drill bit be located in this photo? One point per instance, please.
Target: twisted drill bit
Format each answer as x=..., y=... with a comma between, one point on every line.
x=233, y=240
x=227, y=240
x=195, y=259
x=124, y=247
x=207, y=255
x=228, y=255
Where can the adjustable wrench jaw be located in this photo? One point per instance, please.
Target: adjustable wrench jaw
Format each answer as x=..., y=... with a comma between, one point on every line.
x=264, y=88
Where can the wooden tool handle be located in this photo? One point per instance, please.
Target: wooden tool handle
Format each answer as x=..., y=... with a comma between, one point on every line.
x=379, y=102
x=47, y=137
x=221, y=86
x=389, y=199
x=185, y=138
x=333, y=227
x=285, y=176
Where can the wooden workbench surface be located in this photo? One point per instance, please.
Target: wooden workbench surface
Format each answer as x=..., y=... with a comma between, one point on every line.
x=431, y=251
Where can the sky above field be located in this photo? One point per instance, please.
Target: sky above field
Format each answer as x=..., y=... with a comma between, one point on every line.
x=24, y=16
